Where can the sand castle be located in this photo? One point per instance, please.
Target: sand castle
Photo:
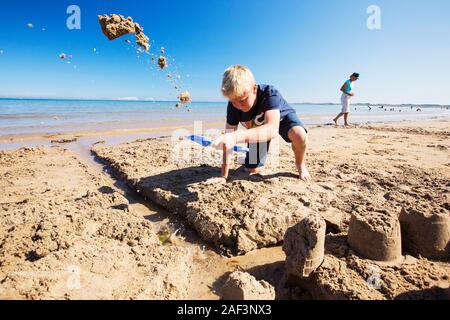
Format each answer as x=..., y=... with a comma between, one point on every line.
x=322, y=276
x=426, y=233
x=381, y=236
x=304, y=246
x=376, y=236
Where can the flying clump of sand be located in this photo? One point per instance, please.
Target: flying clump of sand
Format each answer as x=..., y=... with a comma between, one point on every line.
x=115, y=26
x=185, y=97
x=162, y=62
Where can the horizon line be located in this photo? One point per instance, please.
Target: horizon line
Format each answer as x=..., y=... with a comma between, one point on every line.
x=217, y=101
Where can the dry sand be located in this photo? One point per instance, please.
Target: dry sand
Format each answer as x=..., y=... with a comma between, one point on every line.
x=367, y=171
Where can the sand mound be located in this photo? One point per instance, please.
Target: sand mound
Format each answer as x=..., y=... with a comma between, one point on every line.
x=243, y=286
x=240, y=216
x=247, y=213
x=65, y=234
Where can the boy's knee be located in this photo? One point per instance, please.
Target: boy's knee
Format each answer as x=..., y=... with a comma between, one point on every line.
x=298, y=135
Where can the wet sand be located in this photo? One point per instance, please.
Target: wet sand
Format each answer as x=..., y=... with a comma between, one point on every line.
x=103, y=133
x=378, y=168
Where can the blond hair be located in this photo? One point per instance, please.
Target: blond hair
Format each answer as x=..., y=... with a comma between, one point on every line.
x=237, y=81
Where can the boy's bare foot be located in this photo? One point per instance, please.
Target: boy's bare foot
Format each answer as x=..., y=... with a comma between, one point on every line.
x=252, y=171
x=348, y=126
x=303, y=173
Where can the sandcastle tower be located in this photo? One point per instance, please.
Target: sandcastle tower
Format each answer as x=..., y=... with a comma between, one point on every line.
x=376, y=236
x=426, y=233
x=304, y=245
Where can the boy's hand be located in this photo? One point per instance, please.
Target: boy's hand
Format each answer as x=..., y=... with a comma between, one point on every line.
x=220, y=180
x=226, y=141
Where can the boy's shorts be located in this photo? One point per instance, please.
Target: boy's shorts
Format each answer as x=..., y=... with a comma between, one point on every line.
x=256, y=158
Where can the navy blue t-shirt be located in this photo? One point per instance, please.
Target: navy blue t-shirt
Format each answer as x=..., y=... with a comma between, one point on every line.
x=267, y=98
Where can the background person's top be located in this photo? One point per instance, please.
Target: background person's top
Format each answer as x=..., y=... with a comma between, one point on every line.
x=348, y=86
x=267, y=98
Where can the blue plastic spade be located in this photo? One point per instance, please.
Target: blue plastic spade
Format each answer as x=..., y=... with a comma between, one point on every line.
x=206, y=142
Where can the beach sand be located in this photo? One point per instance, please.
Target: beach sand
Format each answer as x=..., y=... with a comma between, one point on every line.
x=68, y=233
x=57, y=212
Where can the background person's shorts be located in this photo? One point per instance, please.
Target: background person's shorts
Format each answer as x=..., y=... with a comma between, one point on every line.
x=345, y=101
x=256, y=158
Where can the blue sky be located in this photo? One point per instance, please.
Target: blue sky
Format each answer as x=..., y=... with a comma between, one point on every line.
x=306, y=49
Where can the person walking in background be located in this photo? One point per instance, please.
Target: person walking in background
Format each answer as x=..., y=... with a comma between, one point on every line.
x=347, y=94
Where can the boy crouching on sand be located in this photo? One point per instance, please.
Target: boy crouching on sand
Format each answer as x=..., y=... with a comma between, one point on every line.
x=263, y=111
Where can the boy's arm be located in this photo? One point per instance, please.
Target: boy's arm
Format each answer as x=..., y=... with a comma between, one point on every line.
x=227, y=154
x=226, y=161
x=264, y=133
